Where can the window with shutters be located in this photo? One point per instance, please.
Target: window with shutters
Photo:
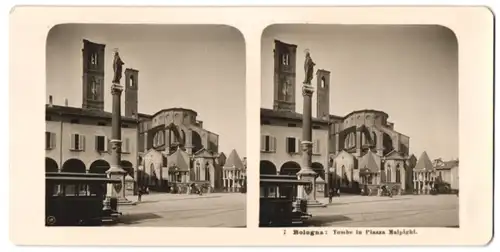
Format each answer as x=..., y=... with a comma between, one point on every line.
x=77, y=142
x=292, y=145
x=126, y=145
x=50, y=140
x=268, y=143
x=101, y=143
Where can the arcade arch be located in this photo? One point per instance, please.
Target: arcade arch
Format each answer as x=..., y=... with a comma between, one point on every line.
x=99, y=166
x=267, y=168
x=74, y=165
x=290, y=168
x=319, y=169
x=128, y=167
x=50, y=165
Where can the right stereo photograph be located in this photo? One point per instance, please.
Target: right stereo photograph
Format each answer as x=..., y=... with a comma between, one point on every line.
x=359, y=126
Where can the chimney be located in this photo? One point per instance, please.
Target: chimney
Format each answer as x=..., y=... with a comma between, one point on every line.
x=50, y=100
x=66, y=102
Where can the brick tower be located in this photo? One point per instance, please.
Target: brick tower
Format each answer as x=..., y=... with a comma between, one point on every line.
x=93, y=75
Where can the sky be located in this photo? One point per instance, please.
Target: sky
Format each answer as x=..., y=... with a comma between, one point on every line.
x=409, y=72
x=200, y=67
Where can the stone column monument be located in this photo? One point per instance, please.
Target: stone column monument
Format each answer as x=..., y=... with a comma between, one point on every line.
x=306, y=173
x=116, y=171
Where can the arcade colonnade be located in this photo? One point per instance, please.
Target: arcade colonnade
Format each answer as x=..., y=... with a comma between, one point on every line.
x=232, y=179
x=423, y=181
x=288, y=168
x=76, y=165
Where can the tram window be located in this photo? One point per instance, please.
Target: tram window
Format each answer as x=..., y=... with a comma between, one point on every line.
x=285, y=192
x=82, y=190
x=70, y=190
x=272, y=192
x=76, y=190
x=94, y=190
x=57, y=190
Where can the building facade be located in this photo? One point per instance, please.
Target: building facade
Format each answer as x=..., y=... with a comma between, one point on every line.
x=366, y=150
x=189, y=152
x=77, y=140
x=447, y=172
x=281, y=133
x=349, y=152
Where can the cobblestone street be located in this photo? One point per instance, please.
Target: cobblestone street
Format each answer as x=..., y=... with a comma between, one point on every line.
x=180, y=210
x=399, y=211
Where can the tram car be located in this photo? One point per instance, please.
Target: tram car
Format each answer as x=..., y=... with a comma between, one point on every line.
x=78, y=199
x=279, y=205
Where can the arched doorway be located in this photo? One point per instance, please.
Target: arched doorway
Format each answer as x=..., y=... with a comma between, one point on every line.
x=99, y=166
x=74, y=165
x=152, y=176
x=128, y=167
x=342, y=176
x=50, y=165
x=290, y=168
x=267, y=167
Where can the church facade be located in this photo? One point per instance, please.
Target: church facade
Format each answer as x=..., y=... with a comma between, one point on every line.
x=352, y=152
x=175, y=148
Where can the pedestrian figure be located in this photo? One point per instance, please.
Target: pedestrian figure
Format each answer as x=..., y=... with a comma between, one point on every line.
x=139, y=195
x=330, y=195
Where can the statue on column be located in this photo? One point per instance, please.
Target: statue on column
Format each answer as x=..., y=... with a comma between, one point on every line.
x=308, y=68
x=117, y=68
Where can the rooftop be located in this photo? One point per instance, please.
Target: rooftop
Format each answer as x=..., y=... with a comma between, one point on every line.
x=286, y=115
x=81, y=112
x=446, y=165
x=366, y=111
x=170, y=109
x=234, y=160
x=265, y=112
x=424, y=162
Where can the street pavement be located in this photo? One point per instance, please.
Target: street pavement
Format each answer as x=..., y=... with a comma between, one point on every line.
x=181, y=210
x=229, y=210
x=398, y=211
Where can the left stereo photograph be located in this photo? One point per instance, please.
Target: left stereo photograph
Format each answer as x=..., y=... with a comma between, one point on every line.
x=145, y=126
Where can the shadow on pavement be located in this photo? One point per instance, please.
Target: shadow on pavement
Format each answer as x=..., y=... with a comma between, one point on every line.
x=193, y=198
x=365, y=201
x=318, y=221
x=147, y=201
x=129, y=219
